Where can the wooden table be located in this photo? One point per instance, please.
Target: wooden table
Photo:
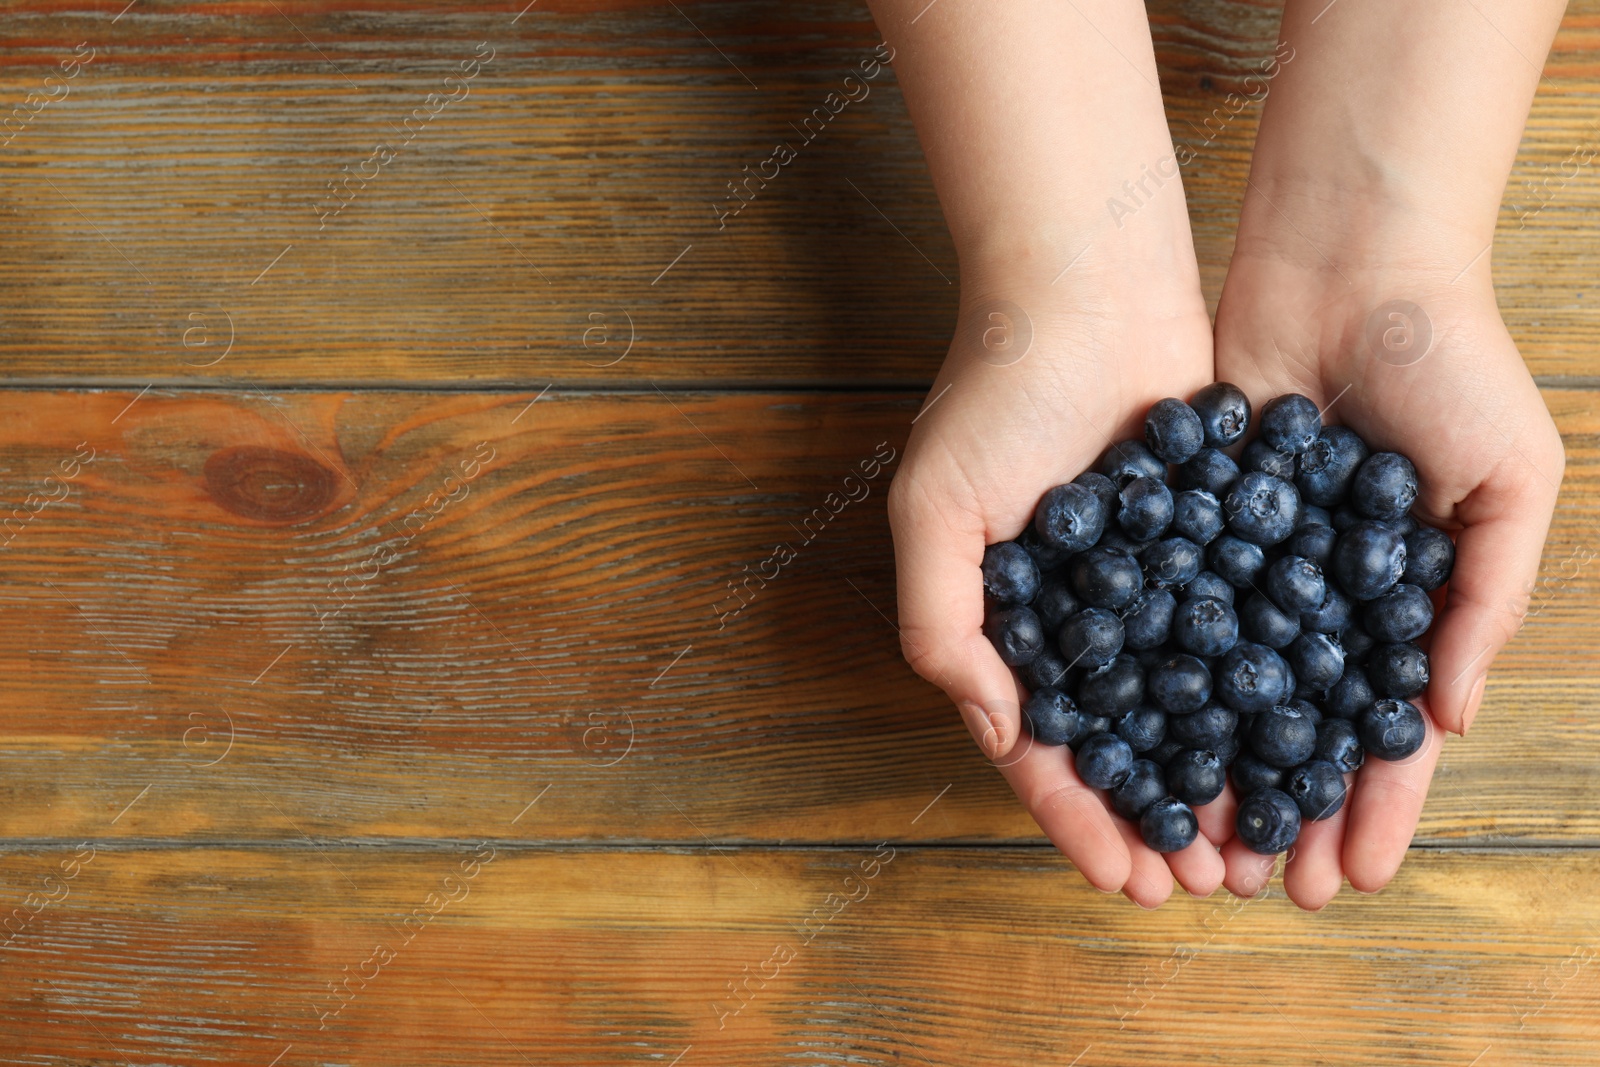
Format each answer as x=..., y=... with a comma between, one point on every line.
x=367, y=698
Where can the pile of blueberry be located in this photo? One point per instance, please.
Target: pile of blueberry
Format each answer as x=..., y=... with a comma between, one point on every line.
x=1252, y=617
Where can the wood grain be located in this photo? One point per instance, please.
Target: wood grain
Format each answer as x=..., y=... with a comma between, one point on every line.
x=144, y=215
x=562, y=630
x=973, y=956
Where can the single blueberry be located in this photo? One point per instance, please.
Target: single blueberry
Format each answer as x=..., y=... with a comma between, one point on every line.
x=1345, y=516
x=1208, y=469
x=1224, y=413
x=1350, y=695
x=1405, y=525
x=1165, y=751
x=1227, y=750
x=1391, y=729
x=1329, y=466
x=1127, y=460
x=1145, y=509
x=1168, y=825
x=1368, y=559
x=1252, y=677
x=1268, y=821
x=1262, y=509
x=1052, y=717
x=1105, y=578
x=1357, y=643
x=1260, y=456
x=1205, y=626
x=1145, y=784
x=1404, y=613
x=1306, y=708
x=1171, y=562
x=1180, y=685
x=1290, y=423
x=1173, y=430
x=1197, y=515
x=1055, y=603
x=1211, y=584
x=1147, y=622
x=1069, y=517
x=1104, y=489
x=1114, y=689
x=1117, y=541
x=1338, y=744
x=1250, y=773
x=1261, y=621
x=1332, y=616
x=1091, y=638
x=1295, y=584
x=1314, y=543
x=1430, y=555
x=1047, y=670
x=1103, y=761
x=1398, y=670
x=1283, y=736
x=1143, y=728
x=1237, y=560
x=1016, y=633
x=1196, y=776
x=1093, y=725
x=1209, y=726
x=1317, y=659
x=1385, y=486
x=1317, y=787
x=1009, y=574
x=1046, y=557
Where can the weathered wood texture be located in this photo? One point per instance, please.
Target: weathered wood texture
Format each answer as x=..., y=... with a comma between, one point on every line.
x=143, y=214
x=863, y=955
x=269, y=568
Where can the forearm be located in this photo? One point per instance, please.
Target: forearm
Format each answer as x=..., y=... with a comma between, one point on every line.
x=1391, y=132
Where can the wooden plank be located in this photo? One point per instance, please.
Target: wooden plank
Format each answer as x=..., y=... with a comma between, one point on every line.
x=179, y=666
x=167, y=206
x=911, y=955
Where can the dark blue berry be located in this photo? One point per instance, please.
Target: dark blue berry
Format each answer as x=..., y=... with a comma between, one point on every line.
x=1091, y=638
x=1338, y=744
x=1016, y=633
x=1368, y=560
x=1143, y=728
x=1345, y=516
x=1196, y=776
x=1046, y=670
x=1092, y=726
x=1197, y=515
x=1209, y=583
x=1357, y=643
x=1127, y=460
x=1009, y=574
x=1168, y=825
x=1173, y=430
x=1283, y=736
x=1224, y=413
x=1047, y=557
x=1145, y=784
x=1350, y=695
x=1237, y=560
x=1250, y=773
x=1312, y=515
x=1104, y=489
x=1317, y=659
x=1252, y=677
x=1260, y=620
x=1398, y=670
x=1385, y=486
x=1117, y=541
x=1260, y=456
x=1055, y=603
x=1404, y=613
x=1391, y=729
x=1070, y=517
x=1114, y=689
x=1329, y=466
x=1306, y=708
x=1290, y=423
x=1210, y=726
x=1262, y=509
x=1147, y=622
x=1331, y=616
x=1268, y=822
x=1317, y=787
x=1145, y=508
x=1171, y=562
x=1103, y=761
x=1205, y=626
x=1314, y=543
x=1180, y=684
x=1295, y=584
x=1053, y=718
x=1430, y=555
x=1210, y=470
x=1165, y=751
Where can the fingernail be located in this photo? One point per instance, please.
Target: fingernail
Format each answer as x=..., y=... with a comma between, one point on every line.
x=981, y=725
x=998, y=724
x=1474, y=699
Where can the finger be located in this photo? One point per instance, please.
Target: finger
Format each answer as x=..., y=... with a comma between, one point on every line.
x=1149, y=883
x=1217, y=817
x=1384, y=808
x=1496, y=568
x=1198, y=868
x=1071, y=815
x=938, y=553
x=1248, y=872
x=1314, y=871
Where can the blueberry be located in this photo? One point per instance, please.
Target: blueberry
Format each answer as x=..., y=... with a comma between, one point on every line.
x=1205, y=626
x=1224, y=413
x=1329, y=466
x=1103, y=761
x=1295, y=584
x=1290, y=423
x=1105, y=578
x=1145, y=784
x=1147, y=622
x=1180, y=685
x=1069, y=517
x=1368, y=559
x=1331, y=616
x=1211, y=584
x=1197, y=515
x=1385, y=486
x=1092, y=726
x=1357, y=643
x=1145, y=509
x=1338, y=744
x=1314, y=543
x=1430, y=555
x=1268, y=821
x=1210, y=470
x=1404, y=613
x=1209, y=726
x=1253, y=677
x=1055, y=603
x=1391, y=729
x=1091, y=638
x=1173, y=430
x=1046, y=671
x=1260, y=456
x=1398, y=670
x=1114, y=689
x=1317, y=787
x=1104, y=489
x=1016, y=633
x=1283, y=736
x=1009, y=574
x=1405, y=525
x=1143, y=728
x=1262, y=622
x=1350, y=695
x=1170, y=562
x=1345, y=516
x=1164, y=752
x=1168, y=825
x=1317, y=659
x=1306, y=708
x=1250, y=774
x=1052, y=717
x=1227, y=750
x=1046, y=557
x=1117, y=541
x=1237, y=560
x=1127, y=460
x=1196, y=776
x=1262, y=509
